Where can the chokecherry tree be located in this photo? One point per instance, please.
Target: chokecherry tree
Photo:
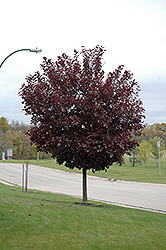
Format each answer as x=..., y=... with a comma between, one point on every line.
x=85, y=119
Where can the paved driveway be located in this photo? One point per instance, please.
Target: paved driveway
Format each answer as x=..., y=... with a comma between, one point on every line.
x=133, y=194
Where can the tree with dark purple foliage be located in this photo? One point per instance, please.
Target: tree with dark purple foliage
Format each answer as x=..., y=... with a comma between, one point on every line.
x=86, y=120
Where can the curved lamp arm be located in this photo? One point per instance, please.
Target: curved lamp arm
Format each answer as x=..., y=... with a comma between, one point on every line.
x=31, y=50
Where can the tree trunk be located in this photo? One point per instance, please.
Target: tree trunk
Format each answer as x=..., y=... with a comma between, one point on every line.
x=133, y=160
x=84, y=186
x=156, y=162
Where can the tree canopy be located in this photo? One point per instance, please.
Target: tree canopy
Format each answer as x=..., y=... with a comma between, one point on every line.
x=153, y=130
x=144, y=151
x=84, y=118
x=4, y=127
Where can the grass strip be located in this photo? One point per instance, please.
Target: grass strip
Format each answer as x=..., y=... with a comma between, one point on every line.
x=40, y=220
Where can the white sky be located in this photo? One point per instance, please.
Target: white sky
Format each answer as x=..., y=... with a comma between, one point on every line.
x=132, y=31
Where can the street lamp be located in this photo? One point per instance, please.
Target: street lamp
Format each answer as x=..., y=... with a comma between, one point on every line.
x=31, y=50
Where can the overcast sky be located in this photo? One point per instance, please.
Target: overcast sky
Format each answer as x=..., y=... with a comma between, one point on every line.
x=132, y=31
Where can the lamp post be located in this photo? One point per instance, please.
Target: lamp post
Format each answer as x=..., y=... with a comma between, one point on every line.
x=31, y=50
x=158, y=145
x=26, y=171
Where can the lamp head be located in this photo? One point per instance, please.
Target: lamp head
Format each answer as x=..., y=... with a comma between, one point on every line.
x=35, y=50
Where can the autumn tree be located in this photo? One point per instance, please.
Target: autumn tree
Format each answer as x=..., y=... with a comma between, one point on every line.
x=159, y=126
x=82, y=117
x=13, y=136
x=17, y=147
x=153, y=130
x=144, y=151
x=4, y=134
x=4, y=126
x=22, y=148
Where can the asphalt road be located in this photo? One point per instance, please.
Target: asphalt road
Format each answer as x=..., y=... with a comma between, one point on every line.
x=138, y=195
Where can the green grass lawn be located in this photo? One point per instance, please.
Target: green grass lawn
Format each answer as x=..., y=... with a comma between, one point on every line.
x=125, y=172
x=40, y=220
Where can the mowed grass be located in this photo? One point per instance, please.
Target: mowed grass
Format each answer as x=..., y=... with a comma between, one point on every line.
x=40, y=220
x=125, y=172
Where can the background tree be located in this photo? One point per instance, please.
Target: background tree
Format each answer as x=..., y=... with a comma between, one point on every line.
x=144, y=151
x=82, y=118
x=4, y=127
x=17, y=147
x=13, y=136
x=154, y=148
x=153, y=130
x=22, y=149
x=134, y=157
x=16, y=126
x=8, y=140
x=159, y=126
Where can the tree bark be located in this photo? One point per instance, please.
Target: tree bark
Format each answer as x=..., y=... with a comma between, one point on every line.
x=156, y=162
x=145, y=164
x=133, y=159
x=84, y=186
